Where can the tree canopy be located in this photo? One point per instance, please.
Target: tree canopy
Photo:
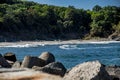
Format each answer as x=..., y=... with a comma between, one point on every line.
x=25, y=20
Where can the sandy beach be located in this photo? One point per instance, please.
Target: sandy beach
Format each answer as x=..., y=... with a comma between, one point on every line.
x=55, y=42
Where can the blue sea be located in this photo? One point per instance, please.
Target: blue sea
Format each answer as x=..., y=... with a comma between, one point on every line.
x=107, y=53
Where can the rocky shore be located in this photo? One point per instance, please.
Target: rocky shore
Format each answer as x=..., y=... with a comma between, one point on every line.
x=45, y=67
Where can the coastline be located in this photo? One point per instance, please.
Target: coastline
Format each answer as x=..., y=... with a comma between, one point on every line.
x=55, y=42
x=36, y=72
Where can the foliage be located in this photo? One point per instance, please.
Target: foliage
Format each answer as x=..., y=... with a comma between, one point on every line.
x=25, y=20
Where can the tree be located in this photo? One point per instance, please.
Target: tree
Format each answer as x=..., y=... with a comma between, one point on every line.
x=51, y=16
x=96, y=8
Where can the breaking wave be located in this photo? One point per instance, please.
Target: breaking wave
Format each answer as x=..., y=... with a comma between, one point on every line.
x=23, y=45
x=68, y=47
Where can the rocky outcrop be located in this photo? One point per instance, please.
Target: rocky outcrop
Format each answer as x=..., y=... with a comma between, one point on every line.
x=4, y=63
x=47, y=57
x=87, y=71
x=56, y=68
x=115, y=36
x=29, y=62
x=10, y=56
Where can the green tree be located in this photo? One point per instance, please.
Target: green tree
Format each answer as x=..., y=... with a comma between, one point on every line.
x=97, y=8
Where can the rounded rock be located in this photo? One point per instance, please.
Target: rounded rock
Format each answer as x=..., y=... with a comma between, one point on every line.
x=88, y=71
x=56, y=68
x=47, y=57
x=10, y=56
x=30, y=61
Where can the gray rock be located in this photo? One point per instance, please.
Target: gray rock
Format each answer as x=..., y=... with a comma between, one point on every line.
x=87, y=71
x=56, y=68
x=47, y=57
x=4, y=63
x=29, y=62
x=17, y=64
x=114, y=71
x=10, y=56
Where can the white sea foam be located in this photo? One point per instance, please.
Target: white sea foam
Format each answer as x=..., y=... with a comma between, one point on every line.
x=23, y=45
x=84, y=48
x=64, y=46
x=68, y=46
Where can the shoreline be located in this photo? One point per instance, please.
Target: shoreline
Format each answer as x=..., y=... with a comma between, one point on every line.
x=57, y=42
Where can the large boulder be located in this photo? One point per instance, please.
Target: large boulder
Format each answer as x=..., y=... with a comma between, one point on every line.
x=30, y=61
x=10, y=56
x=87, y=71
x=3, y=62
x=47, y=57
x=56, y=68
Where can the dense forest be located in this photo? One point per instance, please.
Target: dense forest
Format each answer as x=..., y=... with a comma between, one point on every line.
x=25, y=20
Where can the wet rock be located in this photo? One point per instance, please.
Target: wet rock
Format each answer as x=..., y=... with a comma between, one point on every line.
x=47, y=57
x=87, y=71
x=17, y=64
x=55, y=68
x=29, y=62
x=10, y=56
x=4, y=63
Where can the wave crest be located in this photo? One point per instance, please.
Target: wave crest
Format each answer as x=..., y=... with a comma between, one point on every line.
x=23, y=45
x=71, y=47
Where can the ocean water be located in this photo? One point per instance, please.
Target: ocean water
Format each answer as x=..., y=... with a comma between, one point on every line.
x=107, y=53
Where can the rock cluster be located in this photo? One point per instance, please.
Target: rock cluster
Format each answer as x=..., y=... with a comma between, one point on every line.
x=92, y=70
x=45, y=63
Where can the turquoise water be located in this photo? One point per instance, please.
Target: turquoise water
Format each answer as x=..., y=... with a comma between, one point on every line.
x=72, y=54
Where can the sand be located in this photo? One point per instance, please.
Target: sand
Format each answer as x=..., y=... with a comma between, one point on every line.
x=55, y=42
x=28, y=75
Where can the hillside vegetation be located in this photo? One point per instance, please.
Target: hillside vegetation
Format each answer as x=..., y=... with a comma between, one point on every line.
x=24, y=20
